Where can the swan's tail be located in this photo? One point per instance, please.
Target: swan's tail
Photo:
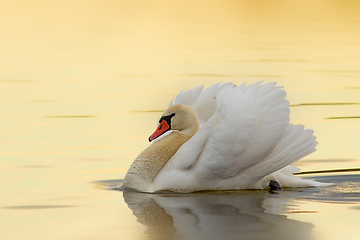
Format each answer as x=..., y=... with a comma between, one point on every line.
x=295, y=144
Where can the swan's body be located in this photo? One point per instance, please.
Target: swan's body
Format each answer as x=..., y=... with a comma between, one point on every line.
x=245, y=140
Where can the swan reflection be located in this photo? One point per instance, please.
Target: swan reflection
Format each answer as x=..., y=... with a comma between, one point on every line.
x=242, y=215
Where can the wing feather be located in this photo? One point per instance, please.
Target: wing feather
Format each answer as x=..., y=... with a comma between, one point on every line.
x=187, y=97
x=250, y=126
x=294, y=145
x=203, y=101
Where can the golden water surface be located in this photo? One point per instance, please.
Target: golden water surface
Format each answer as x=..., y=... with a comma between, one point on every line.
x=82, y=84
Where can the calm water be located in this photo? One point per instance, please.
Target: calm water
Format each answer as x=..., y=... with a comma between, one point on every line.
x=82, y=84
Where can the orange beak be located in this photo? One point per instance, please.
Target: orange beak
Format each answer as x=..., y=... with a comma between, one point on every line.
x=162, y=128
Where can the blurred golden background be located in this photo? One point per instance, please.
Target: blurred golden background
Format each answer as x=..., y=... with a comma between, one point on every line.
x=82, y=84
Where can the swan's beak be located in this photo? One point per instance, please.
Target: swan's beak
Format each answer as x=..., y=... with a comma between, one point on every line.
x=162, y=128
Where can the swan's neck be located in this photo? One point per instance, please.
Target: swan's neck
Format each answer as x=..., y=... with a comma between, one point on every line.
x=149, y=163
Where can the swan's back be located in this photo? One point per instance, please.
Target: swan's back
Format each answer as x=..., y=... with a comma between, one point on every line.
x=246, y=137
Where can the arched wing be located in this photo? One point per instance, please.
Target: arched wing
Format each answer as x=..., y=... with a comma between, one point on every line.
x=203, y=101
x=250, y=122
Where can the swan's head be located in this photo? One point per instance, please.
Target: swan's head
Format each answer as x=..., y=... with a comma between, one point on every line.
x=178, y=117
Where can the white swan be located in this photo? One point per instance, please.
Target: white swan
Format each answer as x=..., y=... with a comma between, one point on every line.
x=222, y=138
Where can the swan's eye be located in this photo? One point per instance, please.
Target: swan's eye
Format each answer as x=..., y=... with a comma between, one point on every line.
x=167, y=119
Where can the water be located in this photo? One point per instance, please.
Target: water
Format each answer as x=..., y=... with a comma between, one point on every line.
x=82, y=85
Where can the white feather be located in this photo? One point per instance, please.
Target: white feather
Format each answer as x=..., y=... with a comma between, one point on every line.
x=245, y=140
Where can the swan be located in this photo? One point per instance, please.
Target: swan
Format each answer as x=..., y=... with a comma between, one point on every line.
x=225, y=137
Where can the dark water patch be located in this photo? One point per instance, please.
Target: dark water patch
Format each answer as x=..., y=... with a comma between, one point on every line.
x=114, y=184
x=322, y=104
x=16, y=81
x=349, y=117
x=345, y=189
x=147, y=111
x=37, y=207
x=354, y=178
x=35, y=166
x=111, y=181
x=335, y=194
x=79, y=116
x=115, y=187
x=330, y=171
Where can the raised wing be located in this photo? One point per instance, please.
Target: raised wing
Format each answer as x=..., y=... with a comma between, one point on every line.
x=203, y=101
x=251, y=121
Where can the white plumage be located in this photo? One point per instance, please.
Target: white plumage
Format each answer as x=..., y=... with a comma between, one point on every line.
x=245, y=139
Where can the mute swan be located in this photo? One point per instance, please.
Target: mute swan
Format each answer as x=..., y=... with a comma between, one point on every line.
x=225, y=137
